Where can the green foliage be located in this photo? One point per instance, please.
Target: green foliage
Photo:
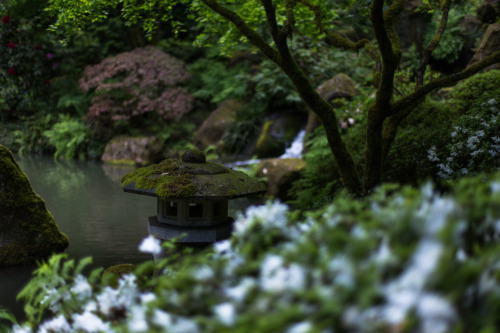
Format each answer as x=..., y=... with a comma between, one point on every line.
x=244, y=129
x=28, y=60
x=403, y=259
x=474, y=145
x=69, y=136
x=29, y=138
x=56, y=275
x=429, y=125
x=320, y=181
x=214, y=81
x=455, y=36
x=465, y=93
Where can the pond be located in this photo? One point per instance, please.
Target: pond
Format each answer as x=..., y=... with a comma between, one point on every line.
x=89, y=206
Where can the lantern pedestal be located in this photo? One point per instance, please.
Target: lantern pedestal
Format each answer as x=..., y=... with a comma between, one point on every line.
x=195, y=234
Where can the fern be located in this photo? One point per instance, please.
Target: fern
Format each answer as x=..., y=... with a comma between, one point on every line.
x=68, y=136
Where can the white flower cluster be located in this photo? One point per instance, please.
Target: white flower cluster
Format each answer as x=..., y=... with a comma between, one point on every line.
x=471, y=145
x=332, y=263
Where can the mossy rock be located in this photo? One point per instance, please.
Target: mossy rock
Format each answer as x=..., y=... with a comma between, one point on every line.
x=133, y=150
x=28, y=231
x=280, y=173
x=173, y=179
x=267, y=144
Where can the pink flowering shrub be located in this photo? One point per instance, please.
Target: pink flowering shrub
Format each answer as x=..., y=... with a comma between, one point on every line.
x=132, y=86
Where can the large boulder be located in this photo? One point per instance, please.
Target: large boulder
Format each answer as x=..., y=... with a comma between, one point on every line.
x=490, y=43
x=133, y=150
x=339, y=86
x=28, y=231
x=280, y=174
x=213, y=128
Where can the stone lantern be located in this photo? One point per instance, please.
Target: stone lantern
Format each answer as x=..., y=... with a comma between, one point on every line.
x=192, y=197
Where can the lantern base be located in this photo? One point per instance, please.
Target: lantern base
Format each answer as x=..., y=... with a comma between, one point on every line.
x=206, y=234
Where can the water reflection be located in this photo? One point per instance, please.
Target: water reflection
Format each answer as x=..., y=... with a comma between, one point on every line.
x=99, y=218
x=89, y=206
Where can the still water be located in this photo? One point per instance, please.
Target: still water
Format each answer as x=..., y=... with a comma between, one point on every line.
x=89, y=206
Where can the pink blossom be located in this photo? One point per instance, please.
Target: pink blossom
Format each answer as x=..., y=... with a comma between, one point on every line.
x=343, y=124
x=49, y=55
x=11, y=45
x=351, y=121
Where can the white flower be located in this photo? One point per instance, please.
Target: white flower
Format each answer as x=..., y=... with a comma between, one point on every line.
x=150, y=245
x=21, y=329
x=239, y=292
x=271, y=215
x=147, y=298
x=226, y=313
x=161, y=318
x=58, y=324
x=203, y=273
x=137, y=319
x=302, y=327
x=436, y=314
x=383, y=255
x=275, y=277
x=107, y=300
x=495, y=187
x=89, y=322
x=342, y=269
x=350, y=121
x=435, y=212
x=223, y=246
x=81, y=288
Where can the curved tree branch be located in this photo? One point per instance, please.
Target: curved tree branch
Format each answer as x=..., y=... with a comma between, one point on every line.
x=400, y=106
x=433, y=43
x=244, y=28
x=403, y=107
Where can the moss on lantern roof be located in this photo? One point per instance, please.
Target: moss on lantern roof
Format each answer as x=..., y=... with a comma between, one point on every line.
x=173, y=179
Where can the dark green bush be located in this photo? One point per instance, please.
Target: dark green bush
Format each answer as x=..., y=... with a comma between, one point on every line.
x=429, y=125
x=466, y=92
x=474, y=143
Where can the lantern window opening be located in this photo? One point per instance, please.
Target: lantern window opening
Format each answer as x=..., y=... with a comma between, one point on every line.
x=171, y=209
x=220, y=209
x=195, y=210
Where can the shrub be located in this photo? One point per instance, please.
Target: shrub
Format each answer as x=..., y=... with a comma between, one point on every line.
x=135, y=86
x=475, y=142
x=27, y=63
x=29, y=137
x=429, y=125
x=455, y=37
x=465, y=93
x=404, y=260
x=215, y=82
x=69, y=137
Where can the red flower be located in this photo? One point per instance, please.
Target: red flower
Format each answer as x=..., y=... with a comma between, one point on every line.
x=6, y=19
x=11, y=45
x=47, y=82
x=12, y=71
x=38, y=47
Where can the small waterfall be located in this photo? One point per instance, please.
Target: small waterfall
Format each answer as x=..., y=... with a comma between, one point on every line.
x=294, y=151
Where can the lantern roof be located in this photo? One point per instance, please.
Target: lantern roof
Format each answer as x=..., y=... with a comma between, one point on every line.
x=192, y=177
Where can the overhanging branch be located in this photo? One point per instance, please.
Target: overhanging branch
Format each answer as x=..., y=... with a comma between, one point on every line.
x=244, y=28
